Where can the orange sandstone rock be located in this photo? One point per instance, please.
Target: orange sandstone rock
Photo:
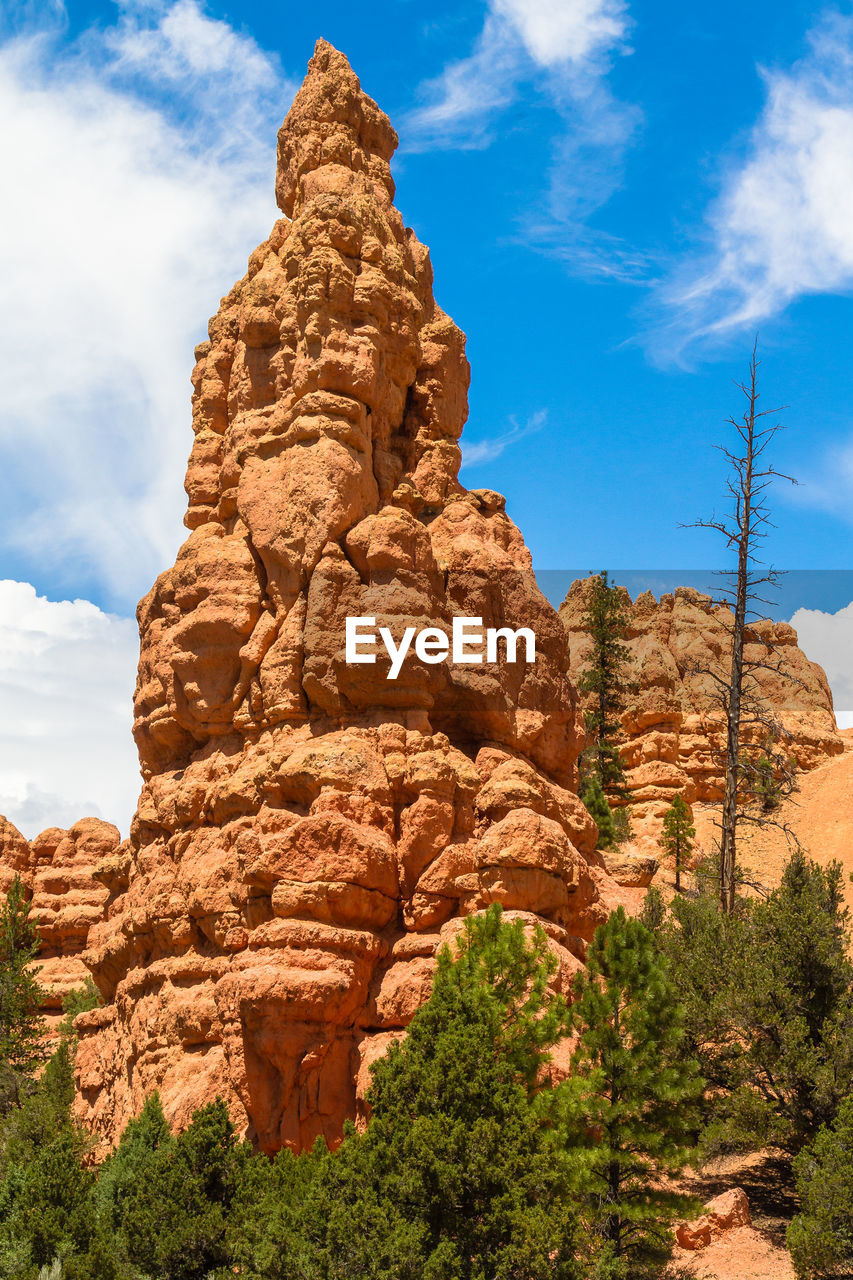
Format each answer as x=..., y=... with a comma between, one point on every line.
x=673, y=732
x=14, y=856
x=722, y=1214
x=57, y=871
x=310, y=831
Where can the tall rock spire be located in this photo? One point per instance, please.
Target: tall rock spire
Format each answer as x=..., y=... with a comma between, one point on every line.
x=310, y=829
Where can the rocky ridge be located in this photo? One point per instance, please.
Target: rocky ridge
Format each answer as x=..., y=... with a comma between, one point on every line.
x=672, y=728
x=57, y=870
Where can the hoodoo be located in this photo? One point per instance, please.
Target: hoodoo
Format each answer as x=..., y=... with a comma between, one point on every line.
x=308, y=830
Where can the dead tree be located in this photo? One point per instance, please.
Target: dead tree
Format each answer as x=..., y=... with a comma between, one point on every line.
x=743, y=529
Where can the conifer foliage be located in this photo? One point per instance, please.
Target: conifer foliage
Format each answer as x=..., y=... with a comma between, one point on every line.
x=820, y=1238
x=20, y=995
x=459, y=1175
x=677, y=835
x=605, y=679
x=595, y=802
x=768, y=1000
x=475, y=1165
x=642, y=1091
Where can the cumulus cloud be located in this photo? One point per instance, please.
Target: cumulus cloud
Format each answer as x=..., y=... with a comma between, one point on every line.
x=67, y=671
x=138, y=169
x=564, y=48
x=827, y=638
x=781, y=226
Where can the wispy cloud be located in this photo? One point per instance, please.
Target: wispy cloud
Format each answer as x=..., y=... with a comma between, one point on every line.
x=66, y=683
x=781, y=226
x=491, y=447
x=564, y=48
x=138, y=171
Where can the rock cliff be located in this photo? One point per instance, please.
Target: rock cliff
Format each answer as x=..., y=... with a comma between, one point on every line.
x=57, y=871
x=672, y=726
x=309, y=830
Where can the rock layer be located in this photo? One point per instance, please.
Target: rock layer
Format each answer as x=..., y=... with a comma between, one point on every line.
x=309, y=830
x=673, y=732
x=57, y=872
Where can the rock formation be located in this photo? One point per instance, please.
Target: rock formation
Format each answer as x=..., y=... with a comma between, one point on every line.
x=724, y=1213
x=672, y=725
x=309, y=830
x=57, y=871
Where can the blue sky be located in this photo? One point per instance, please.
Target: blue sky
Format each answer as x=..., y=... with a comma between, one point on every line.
x=616, y=196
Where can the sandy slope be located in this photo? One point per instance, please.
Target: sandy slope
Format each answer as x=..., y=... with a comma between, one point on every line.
x=819, y=815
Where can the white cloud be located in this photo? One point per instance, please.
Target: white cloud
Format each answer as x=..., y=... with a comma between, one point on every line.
x=138, y=172
x=563, y=48
x=827, y=638
x=565, y=31
x=781, y=226
x=185, y=41
x=460, y=102
x=492, y=447
x=67, y=671
x=570, y=40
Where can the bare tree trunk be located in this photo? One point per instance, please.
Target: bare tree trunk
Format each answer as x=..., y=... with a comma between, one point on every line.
x=743, y=529
x=744, y=522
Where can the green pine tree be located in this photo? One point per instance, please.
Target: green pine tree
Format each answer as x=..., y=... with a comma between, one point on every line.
x=129, y=1163
x=172, y=1196
x=765, y=784
x=820, y=1238
x=768, y=995
x=21, y=1024
x=459, y=1175
x=605, y=680
x=641, y=1094
x=46, y=1208
x=599, y=810
x=677, y=835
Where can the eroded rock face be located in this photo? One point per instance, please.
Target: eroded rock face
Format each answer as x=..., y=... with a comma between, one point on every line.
x=309, y=830
x=673, y=732
x=57, y=872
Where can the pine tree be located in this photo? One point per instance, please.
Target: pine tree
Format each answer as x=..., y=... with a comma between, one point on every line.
x=459, y=1175
x=677, y=835
x=642, y=1091
x=465, y=1151
x=765, y=784
x=595, y=802
x=820, y=1238
x=45, y=1189
x=175, y=1206
x=604, y=678
x=21, y=1025
x=768, y=995
x=123, y=1169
